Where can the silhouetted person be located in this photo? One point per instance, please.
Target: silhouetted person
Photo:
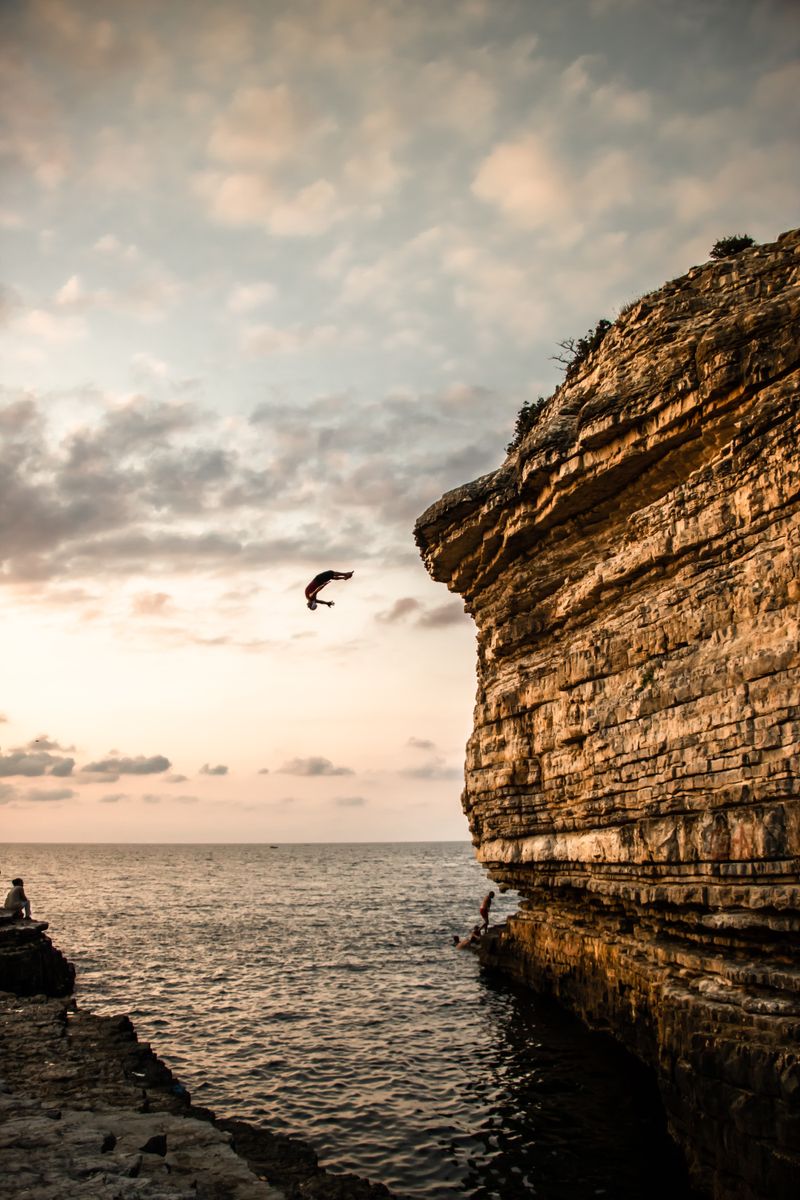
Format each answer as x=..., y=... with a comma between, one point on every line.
x=484, y=910
x=17, y=902
x=318, y=583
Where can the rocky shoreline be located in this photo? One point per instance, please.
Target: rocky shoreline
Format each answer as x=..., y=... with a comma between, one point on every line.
x=87, y=1109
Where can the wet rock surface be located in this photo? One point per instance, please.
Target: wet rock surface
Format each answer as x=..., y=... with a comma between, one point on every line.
x=88, y=1110
x=633, y=569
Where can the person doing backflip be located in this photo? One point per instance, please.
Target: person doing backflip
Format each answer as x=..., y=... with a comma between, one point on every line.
x=318, y=583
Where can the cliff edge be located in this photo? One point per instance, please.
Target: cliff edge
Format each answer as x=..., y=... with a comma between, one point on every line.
x=633, y=570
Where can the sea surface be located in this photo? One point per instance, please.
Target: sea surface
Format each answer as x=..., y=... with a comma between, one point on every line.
x=315, y=989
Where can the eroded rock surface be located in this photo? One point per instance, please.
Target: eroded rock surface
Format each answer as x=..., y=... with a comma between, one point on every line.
x=634, y=573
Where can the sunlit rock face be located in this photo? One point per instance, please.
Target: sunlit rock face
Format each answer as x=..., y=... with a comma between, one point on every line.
x=633, y=569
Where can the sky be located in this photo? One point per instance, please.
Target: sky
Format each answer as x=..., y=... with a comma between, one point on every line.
x=275, y=277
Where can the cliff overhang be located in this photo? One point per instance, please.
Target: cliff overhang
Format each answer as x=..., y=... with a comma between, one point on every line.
x=633, y=570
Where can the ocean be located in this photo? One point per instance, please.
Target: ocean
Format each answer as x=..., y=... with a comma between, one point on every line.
x=315, y=989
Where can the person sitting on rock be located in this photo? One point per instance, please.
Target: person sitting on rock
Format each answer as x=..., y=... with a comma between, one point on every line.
x=17, y=903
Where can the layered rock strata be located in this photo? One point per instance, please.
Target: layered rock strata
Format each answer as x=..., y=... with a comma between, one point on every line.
x=87, y=1110
x=633, y=570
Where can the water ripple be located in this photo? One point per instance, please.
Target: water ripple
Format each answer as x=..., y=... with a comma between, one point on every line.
x=325, y=999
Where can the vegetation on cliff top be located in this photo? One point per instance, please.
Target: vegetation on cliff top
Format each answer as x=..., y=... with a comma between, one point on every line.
x=728, y=246
x=575, y=351
x=527, y=417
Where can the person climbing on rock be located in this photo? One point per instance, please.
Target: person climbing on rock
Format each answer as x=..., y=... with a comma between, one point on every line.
x=486, y=904
x=318, y=583
x=466, y=943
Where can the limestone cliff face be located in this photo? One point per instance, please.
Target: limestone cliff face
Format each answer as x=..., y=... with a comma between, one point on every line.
x=633, y=569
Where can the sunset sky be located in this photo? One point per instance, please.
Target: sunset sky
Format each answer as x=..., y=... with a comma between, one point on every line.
x=275, y=276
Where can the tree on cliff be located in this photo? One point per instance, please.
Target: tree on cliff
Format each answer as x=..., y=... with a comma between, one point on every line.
x=734, y=244
x=577, y=350
x=527, y=417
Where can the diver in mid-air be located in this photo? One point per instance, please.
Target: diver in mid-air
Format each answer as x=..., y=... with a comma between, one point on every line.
x=318, y=583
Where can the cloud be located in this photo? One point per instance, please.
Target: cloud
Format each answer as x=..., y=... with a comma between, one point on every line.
x=176, y=779
x=110, y=244
x=48, y=796
x=47, y=327
x=421, y=743
x=220, y=769
x=263, y=771
x=434, y=768
x=140, y=765
x=3, y=719
x=38, y=762
x=525, y=180
x=266, y=340
x=436, y=617
x=148, y=486
x=245, y=198
x=159, y=798
x=247, y=296
x=148, y=604
x=112, y=798
x=401, y=609
x=147, y=367
x=441, y=615
x=315, y=765
x=147, y=293
x=43, y=742
x=264, y=126
x=349, y=801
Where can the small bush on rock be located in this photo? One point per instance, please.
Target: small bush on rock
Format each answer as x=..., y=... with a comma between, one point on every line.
x=577, y=350
x=527, y=417
x=728, y=246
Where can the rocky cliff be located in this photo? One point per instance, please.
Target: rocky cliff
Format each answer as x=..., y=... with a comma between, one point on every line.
x=633, y=570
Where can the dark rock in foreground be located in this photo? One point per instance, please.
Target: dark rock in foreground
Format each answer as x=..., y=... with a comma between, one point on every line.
x=30, y=964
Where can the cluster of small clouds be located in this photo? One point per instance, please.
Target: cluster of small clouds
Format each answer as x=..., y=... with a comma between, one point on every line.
x=36, y=759
x=579, y=154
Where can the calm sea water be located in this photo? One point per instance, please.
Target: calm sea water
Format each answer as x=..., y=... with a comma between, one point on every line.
x=314, y=988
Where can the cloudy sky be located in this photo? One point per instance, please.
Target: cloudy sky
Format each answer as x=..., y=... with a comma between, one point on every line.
x=275, y=276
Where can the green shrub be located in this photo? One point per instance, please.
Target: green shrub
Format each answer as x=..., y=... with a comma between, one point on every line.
x=728, y=246
x=577, y=350
x=527, y=417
